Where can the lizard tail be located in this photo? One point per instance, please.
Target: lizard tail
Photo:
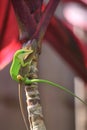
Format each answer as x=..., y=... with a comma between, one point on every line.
x=56, y=85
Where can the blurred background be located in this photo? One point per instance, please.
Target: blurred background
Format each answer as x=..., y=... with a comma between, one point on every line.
x=61, y=111
x=58, y=106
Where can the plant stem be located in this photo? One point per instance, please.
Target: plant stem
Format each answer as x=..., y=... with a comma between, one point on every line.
x=34, y=107
x=35, y=8
x=47, y=15
x=25, y=18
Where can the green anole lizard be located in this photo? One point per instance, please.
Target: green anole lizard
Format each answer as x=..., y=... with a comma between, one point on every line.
x=18, y=62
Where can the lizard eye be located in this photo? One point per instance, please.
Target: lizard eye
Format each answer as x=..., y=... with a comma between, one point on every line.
x=23, y=51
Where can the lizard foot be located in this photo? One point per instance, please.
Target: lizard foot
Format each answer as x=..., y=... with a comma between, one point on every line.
x=19, y=77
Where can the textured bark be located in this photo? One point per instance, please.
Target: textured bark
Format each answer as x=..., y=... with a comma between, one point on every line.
x=34, y=107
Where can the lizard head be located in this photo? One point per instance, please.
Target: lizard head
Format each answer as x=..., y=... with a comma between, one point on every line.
x=22, y=53
x=26, y=52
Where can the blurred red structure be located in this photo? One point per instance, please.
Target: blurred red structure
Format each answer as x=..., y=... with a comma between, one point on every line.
x=59, y=34
x=81, y=1
x=8, y=33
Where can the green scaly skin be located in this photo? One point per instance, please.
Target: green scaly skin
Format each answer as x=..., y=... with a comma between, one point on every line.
x=18, y=61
